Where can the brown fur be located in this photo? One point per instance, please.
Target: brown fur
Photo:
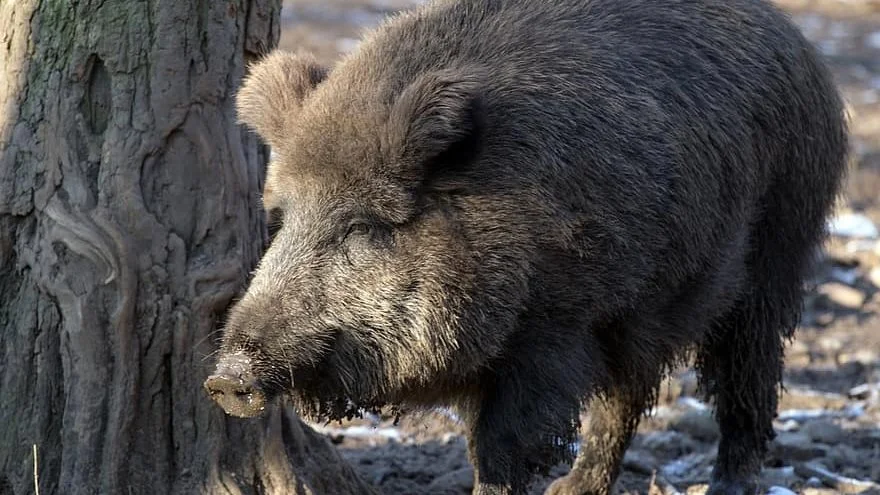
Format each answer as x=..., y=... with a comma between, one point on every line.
x=516, y=207
x=276, y=87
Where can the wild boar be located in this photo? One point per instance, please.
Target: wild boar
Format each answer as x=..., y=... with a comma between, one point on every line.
x=521, y=208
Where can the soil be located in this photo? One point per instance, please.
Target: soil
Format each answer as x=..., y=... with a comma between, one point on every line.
x=829, y=416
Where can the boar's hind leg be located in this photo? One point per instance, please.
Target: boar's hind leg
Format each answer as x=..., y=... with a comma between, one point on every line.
x=614, y=418
x=741, y=367
x=740, y=362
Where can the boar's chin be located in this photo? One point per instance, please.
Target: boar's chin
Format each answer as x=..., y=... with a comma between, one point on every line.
x=325, y=408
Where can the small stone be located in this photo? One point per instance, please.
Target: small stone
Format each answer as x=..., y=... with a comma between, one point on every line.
x=451, y=438
x=698, y=424
x=779, y=477
x=841, y=483
x=847, y=276
x=795, y=447
x=778, y=490
x=668, y=443
x=861, y=356
x=865, y=391
x=660, y=486
x=844, y=455
x=861, y=245
x=798, y=347
x=813, y=482
x=697, y=489
x=824, y=431
x=380, y=475
x=873, y=40
x=843, y=295
x=825, y=318
x=692, y=468
x=789, y=425
x=458, y=481
x=874, y=276
x=640, y=462
x=830, y=345
x=820, y=491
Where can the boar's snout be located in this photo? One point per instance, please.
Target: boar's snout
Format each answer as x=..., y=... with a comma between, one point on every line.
x=234, y=387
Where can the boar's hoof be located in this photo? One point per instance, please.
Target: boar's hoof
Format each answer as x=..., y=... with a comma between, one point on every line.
x=723, y=487
x=568, y=485
x=233, y=387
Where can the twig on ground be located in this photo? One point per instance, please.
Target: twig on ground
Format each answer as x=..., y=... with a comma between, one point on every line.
x=834, y=480
x=36, y=473
x=660, y=486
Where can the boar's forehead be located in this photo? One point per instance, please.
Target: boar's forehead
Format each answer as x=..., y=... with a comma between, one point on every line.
x=339, y=131
x=334, y=159
x=337, y=195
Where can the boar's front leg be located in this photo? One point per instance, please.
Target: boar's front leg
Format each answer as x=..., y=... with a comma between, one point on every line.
x=524, y=424
x=614, y=417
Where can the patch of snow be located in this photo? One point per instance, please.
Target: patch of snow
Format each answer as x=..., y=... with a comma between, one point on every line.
x=852, y=411
x=829, y=47
x=838, y=30
x=847, y=276
x=662, y=412
x=853, y=225
x=873, y=40
x=862, y=246
x=778, y=490
x=693, y=403
x=810, y=24
x=449, y=413
x=677, y=468
x=346, y=45
x=360, y=432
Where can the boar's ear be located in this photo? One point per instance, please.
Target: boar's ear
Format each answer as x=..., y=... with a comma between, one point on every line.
x=273, y=92
x=436, y=121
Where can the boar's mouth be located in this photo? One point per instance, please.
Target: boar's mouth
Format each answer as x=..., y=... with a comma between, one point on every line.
x=236, y=388
x=245, y=381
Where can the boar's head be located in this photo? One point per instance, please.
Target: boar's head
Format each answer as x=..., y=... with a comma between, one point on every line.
x=390, y=272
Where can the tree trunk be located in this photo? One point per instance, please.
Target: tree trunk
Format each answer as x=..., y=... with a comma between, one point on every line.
x=129, y=219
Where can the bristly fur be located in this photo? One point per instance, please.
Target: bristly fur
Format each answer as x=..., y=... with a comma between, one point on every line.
x=516, y=207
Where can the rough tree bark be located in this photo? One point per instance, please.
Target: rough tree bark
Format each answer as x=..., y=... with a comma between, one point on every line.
x=129, y=220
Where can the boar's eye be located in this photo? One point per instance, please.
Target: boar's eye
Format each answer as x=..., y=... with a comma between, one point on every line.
x=374, y=233
x=359, y=228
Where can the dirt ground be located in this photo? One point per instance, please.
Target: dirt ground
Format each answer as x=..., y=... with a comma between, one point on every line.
x=829, y=417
